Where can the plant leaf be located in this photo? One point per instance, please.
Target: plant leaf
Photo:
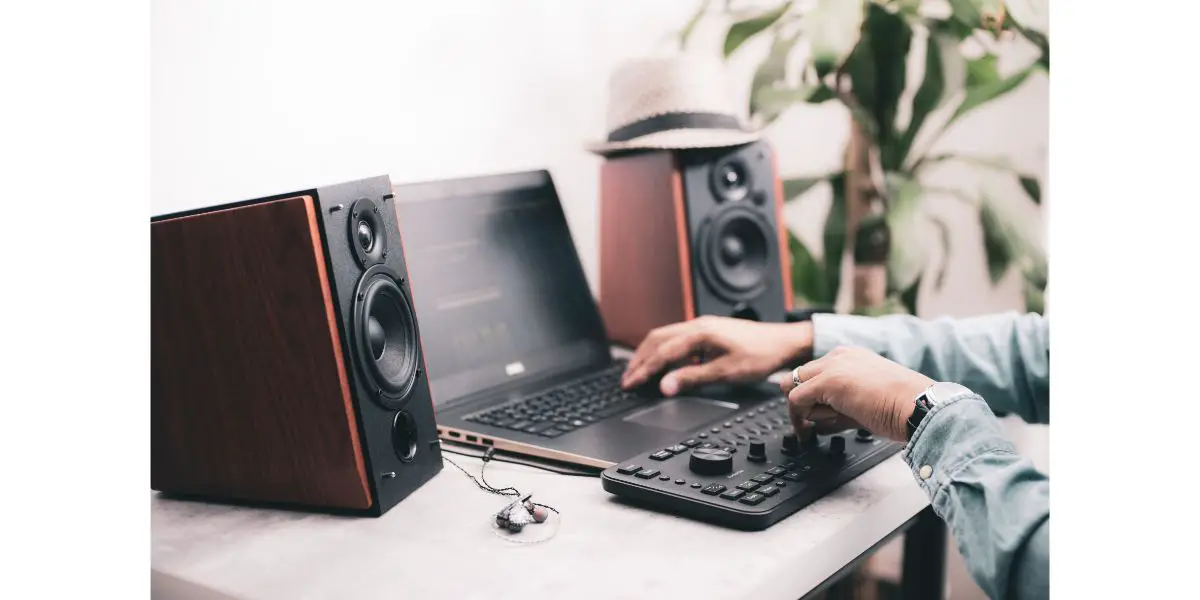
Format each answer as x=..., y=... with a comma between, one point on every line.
x=769, y=94
x=982, y=71
x=974, y=13
x=832, y=28
x=1038, y=38
x=944, y=234
x=834, y=237
x=965, y=12
x=1032, y=187
x=743, y=30
x=795, y=187
x=1035, y=299
x=909, y=253
x=822, y=93
x=993, y=162
x=951, y=27
x=808, y=280
x=687, y=30
x=1036, y=277
x=997, y=244
x=878, y=72
x=945, y=72
x=909, y=296
x=985, y=93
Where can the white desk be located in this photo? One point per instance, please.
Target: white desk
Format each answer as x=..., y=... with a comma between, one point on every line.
x=441, y=543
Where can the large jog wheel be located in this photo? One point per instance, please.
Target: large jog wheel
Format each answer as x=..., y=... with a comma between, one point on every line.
x=385, y=337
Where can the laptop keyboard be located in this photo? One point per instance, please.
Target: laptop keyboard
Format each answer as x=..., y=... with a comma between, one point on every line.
x=565, y=408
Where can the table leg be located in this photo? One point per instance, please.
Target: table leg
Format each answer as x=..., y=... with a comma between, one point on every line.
x=924, y=568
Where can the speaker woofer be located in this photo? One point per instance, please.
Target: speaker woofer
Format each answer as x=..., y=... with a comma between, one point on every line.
x=736, y=251
x=368, y=233
x=385, y=337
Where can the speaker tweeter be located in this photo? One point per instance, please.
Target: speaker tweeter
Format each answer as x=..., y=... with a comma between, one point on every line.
x=368, y=233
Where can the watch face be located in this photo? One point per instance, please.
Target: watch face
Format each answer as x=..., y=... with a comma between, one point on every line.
x=942, y=392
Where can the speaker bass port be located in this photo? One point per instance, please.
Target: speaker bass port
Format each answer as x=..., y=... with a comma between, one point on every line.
x=404, y=436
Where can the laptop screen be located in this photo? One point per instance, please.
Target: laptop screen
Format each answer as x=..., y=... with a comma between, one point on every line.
x=499, y=291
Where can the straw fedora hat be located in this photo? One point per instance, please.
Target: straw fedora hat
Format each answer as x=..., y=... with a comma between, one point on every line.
x=671, y=102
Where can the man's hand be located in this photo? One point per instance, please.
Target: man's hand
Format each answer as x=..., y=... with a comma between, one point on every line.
x=854, y=387
x=737, y=351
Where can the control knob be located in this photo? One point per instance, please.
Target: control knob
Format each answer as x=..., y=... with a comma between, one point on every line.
x=791, y=445
x=812, y=442
x=710, y=461
x=837, y=445
x=758, y=451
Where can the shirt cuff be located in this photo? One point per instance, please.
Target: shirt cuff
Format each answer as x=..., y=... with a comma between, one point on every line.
x=950, y=436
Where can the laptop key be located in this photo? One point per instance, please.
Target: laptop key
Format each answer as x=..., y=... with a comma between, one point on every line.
x=538, y=427
x=519, y=425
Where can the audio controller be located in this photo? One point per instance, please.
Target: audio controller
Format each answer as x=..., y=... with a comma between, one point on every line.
x=747, y=473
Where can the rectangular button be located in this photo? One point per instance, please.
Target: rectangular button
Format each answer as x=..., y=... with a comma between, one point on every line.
x=761, y=478
x=776, y=471
x=749, y=485
x=732, y=494
x=677, y=448
x=713, y=489
x=792, y=476
x=539, y=426
x=769, y=491
x=708, y=445
x=519, y=425
x=629, y=469
x=691, y=443
x=661, y=455
x=646, y=474
x=752, y=499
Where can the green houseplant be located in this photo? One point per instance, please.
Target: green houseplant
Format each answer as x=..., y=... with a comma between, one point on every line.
x=855, y=52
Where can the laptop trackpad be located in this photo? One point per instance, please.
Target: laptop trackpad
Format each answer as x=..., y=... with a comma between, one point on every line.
x=682, y=414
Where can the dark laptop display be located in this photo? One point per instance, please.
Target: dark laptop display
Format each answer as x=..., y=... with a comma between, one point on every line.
x=496, y=276
x=516, y=349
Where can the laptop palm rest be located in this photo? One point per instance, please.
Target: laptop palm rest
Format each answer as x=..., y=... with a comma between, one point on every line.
x=682, y=413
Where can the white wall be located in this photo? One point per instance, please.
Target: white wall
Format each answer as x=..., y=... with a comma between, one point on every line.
x=255, y=97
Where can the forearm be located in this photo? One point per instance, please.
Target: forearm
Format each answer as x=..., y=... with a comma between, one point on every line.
x=995, y=502
x=1005, y=358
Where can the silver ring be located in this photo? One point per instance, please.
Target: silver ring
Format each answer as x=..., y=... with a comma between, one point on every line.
x=796, y=377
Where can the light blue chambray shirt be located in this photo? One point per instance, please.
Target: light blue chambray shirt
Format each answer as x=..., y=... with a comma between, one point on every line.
x=994, y=501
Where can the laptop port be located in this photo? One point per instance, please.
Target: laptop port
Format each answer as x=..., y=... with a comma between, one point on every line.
x=487, y=442
x=454, y=434
x=472, y=439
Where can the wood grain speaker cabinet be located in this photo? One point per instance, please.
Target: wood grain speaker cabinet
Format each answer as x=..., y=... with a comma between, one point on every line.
x=686, y=233
x=286, y=362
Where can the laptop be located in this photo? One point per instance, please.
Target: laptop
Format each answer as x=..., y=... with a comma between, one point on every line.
x=515, y=346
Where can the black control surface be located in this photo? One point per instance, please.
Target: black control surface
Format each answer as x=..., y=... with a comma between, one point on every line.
x=746, y=473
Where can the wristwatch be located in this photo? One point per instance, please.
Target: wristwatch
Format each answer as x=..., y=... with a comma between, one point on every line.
x=934, y=395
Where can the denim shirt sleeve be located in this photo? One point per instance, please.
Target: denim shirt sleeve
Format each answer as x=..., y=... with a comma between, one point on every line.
x=995, y=502
x=1004, y=358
